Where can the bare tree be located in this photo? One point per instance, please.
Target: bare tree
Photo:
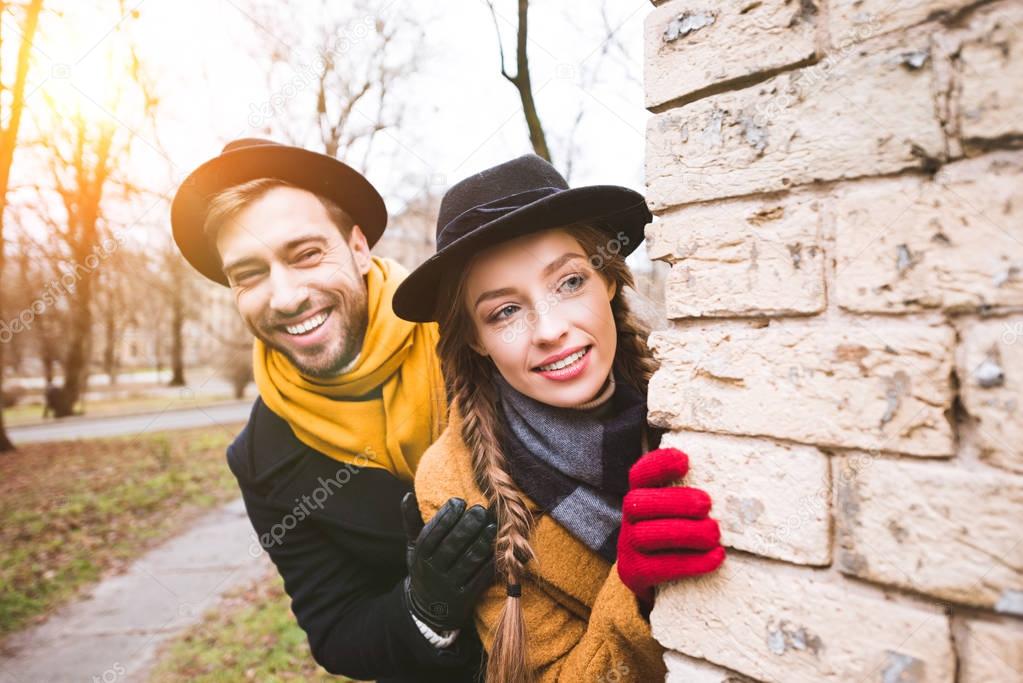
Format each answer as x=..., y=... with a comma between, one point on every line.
x=594, y=69
x=80, y=173
x=120, y=295
x=9, y=137
x=33, y=288
x=18, y=292
x=86, y=154
x=110, y=308
x=175, y=282
x=153, y=290
x=333, y=84
x=177, y=301
x=229, y=338
x=521, y=79
x=235, y=358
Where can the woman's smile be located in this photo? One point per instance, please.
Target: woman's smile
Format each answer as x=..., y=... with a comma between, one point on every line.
x=567, y=365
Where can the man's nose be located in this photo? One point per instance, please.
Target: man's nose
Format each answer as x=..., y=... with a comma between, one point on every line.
x=289, y=293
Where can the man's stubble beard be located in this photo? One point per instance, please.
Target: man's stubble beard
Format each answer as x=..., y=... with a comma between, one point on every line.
x=353, y=315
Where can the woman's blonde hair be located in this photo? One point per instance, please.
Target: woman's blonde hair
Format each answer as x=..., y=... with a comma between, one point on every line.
x=471, y=390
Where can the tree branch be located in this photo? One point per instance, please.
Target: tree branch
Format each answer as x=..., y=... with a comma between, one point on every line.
x=500, y=44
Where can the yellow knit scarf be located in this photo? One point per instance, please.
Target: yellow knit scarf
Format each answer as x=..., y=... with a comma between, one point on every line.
x=336, y=417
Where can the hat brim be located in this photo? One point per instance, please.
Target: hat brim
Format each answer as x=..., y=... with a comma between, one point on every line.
x=317, y=173
x=618, y=210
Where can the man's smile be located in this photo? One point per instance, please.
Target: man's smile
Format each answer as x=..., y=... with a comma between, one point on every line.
x=309, y=324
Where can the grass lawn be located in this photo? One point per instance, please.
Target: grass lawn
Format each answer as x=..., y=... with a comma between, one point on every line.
x=71, y=511
x=250, y=635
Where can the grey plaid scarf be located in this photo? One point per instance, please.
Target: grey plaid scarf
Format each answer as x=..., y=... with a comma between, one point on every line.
x=573, y=464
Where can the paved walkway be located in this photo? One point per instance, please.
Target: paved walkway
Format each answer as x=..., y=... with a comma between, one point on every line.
x=113, y=635
x=86, y=427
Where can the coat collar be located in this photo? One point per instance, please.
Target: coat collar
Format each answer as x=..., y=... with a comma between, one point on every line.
x=269, y=460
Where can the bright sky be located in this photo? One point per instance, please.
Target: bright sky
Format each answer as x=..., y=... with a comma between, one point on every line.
x=207, y=60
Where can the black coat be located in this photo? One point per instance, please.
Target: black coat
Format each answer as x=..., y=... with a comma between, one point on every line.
x=335, y=533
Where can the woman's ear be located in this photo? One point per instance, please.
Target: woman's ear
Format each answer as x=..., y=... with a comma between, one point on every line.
x=612, y=289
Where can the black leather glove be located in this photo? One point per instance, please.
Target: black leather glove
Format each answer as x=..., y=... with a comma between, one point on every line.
x=450, y=561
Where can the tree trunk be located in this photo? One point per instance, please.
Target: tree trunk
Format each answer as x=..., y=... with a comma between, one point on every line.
x=77, y=361
x=239, y=388
x=521, y=80
x=158, y=353
x=5, y=443
x=525, y=86
x=47, y=353
x=110, y=345
x=48, y=368
x=76, y=365
x=177, y=342
x=8, y=140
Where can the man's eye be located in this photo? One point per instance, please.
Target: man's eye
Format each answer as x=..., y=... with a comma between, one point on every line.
x=244, y=276
x=308, y=254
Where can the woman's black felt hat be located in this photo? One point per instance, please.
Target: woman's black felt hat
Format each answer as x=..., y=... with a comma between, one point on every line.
x=518, y=197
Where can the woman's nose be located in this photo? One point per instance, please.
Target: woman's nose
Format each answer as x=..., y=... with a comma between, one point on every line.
x=550, y=327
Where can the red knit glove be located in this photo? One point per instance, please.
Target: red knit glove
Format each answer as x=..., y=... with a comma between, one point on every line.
x=666, y=533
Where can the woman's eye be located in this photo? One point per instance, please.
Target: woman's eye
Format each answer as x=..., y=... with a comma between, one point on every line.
x=504, y=313
x=572, y=283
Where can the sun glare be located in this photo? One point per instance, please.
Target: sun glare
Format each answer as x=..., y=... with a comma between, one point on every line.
x=85, y=72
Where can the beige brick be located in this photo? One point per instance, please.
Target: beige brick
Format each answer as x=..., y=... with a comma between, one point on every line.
x=770, y=499
x=932, y=528
x=788, y=624
x=991, y=67
x=911, y=243
x=685, y=41
x=853, y=20
x=818, y=123
x=989, y=651
x=682, y=669
x=870, y=385
x=742, y=257
x=990, y=370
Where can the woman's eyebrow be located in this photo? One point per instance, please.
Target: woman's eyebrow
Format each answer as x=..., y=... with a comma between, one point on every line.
x=560, y=261
x=493, y=294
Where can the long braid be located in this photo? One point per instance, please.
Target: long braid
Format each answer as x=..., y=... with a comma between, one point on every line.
x=473, y=394
x=479, y=430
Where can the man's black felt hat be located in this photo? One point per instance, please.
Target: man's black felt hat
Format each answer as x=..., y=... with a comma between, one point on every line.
x=250, y=158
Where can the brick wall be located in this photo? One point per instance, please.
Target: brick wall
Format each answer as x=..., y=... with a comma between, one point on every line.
x=839, y=192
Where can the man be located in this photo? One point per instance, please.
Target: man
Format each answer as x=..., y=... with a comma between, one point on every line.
x=349, y=398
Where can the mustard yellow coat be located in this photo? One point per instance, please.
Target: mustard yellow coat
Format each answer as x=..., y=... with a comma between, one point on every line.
x=582, y=623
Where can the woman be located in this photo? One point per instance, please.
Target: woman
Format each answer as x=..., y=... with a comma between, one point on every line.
x=547, y=371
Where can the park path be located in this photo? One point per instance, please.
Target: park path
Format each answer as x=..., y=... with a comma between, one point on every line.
x=85, y=427
x=115, y=632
